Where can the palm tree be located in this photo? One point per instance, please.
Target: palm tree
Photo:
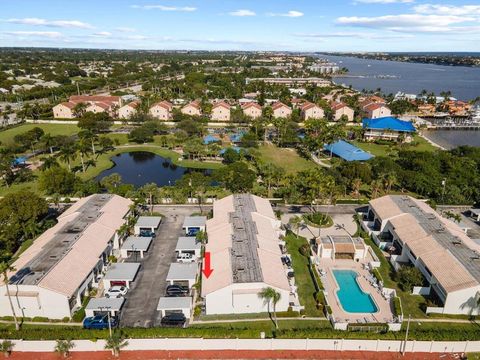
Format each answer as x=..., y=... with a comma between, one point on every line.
x=5, y=267
x=67, y=154
x=389, y=181
x=89, y=136
x=376, y=187
x=356, y=185
x=48, y=140
x=115, y=343
x=83, y=148
x=80, y=109
x=63, y=347
x=151, y=191
x=270, y=295
x=295, y=223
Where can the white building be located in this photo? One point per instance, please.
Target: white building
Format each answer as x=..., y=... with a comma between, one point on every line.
x=341, y=246
x=220, y=112
x=57, y=271
x=414, y=234
x=189, y=245
x=194, y=223
x=147, y=223
x=128, y=110
x=162, y=110
x=280, y=110
x=243, y=241
x=311, y=111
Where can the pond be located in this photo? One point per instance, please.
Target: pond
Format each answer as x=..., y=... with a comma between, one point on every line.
x=142, y=167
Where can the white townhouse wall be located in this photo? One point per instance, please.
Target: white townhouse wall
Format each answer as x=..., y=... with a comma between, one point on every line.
x=340, y=109
x=54, y=274
x=448, y=259
x=243, y=241
x=126, y=111
x=63, y=111
x=221, y=112
x=312, y=111
x=161, y=110
x=252, y=110
x=192, y=109
x=280, y=110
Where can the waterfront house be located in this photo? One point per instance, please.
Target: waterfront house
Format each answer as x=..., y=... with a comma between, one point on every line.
x=375, y=107
x=388, y=128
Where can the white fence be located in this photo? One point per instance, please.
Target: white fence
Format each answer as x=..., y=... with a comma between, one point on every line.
x=263, y=344
x=419, y=290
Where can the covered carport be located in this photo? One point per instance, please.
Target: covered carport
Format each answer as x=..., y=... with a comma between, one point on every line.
x=135, y=245
x=169, y=305
x=182, y=274
x=188, y=245
x=103, y=305
x=194, y=223
x=121, y=274
x=147, y=223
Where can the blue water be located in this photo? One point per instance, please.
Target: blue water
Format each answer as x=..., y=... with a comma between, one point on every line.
x=462, y=81
x=351, y=297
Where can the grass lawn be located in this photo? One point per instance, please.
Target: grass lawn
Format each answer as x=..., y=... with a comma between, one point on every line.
x=31, y=185
x=6, y=137
x=418, y=144
x=287, y=159
x=303, y=279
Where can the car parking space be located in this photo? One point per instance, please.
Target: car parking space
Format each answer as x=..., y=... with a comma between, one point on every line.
x=140, y=309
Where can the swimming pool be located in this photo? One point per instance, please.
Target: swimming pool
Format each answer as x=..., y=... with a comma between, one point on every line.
x=351, y=297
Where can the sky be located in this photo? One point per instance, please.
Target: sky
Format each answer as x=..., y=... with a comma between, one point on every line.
x=283, y=25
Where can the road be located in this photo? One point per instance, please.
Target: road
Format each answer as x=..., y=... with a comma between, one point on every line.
x=141, y=306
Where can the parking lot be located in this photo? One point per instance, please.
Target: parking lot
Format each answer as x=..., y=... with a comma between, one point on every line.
x=140, y=308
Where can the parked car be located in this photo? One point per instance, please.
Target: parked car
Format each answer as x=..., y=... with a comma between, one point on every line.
x=116, y=291
x=286, y=260
x=99, y=322
x=177, y=290
x=147, y=233
x=193, y=232
x=174, y=319
x=185, y=258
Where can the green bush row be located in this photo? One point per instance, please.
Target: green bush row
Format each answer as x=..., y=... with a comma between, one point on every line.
x=397, y=306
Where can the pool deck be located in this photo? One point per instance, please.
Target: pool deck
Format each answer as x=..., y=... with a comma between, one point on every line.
x=384, y=313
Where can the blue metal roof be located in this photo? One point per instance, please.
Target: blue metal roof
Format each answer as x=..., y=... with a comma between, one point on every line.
x=347, y=151
x=388, y=123
x=236, y=137
x=209, y=139
x=19, y=160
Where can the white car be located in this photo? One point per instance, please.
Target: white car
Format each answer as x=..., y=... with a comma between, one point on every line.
x=116, y=292
x=185, y=258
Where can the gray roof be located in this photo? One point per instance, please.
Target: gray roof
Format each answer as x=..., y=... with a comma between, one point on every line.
x=122, y=271
x=137, y=243
x=103, y=302
x=434, y=227
x=475, y=211
x=61, y=243
x=246, y=265
x=194, y=221
x=188, y=243
x=174, y=303
x=149, y=221
x=181, y=271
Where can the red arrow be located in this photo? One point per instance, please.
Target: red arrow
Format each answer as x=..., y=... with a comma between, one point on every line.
x=207, y=270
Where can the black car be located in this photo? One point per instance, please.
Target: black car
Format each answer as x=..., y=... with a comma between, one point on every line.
x=286, y=260
x=174, y=319
x=176, y=290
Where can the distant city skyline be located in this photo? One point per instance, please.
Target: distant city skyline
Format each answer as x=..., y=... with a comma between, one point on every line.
x=302, y=25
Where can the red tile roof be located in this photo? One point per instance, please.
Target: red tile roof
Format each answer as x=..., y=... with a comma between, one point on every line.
x=307, y=105
x=94, y=98
x=337, y=105
x=165, y=104
x=68, y=104
x=223, y=104
x=278, y=105
x=252, y=104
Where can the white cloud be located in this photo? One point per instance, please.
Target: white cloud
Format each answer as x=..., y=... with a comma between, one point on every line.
x=125, y=29
x=51, y=23
x=410, y=23
x=243, y=12
x=434, y=9
x=357, y=35
x=165, y=8
x=384, y=1
x=48, y=34
x=101, y=34
x=291, y=13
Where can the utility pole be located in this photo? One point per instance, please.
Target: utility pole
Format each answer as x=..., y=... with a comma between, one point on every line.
x=78, y=88
x=406, y=336
x=108, y=317
x=444, y=183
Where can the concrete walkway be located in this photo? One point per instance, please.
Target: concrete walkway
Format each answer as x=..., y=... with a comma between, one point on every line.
x=343, y=224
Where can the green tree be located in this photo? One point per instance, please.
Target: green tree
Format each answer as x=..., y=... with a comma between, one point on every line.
x=295, y=223
x=271, y=296
x=57, y=180
x=63, y=347
x=151, y=192
x=68, y=153
x=111, y=182
x=408, y=277
x=236, y=177
x=80, y=109
x=6, y=347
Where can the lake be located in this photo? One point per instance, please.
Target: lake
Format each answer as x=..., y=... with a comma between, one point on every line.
x=142, y=167
x=453, y=138
x=411, y=78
